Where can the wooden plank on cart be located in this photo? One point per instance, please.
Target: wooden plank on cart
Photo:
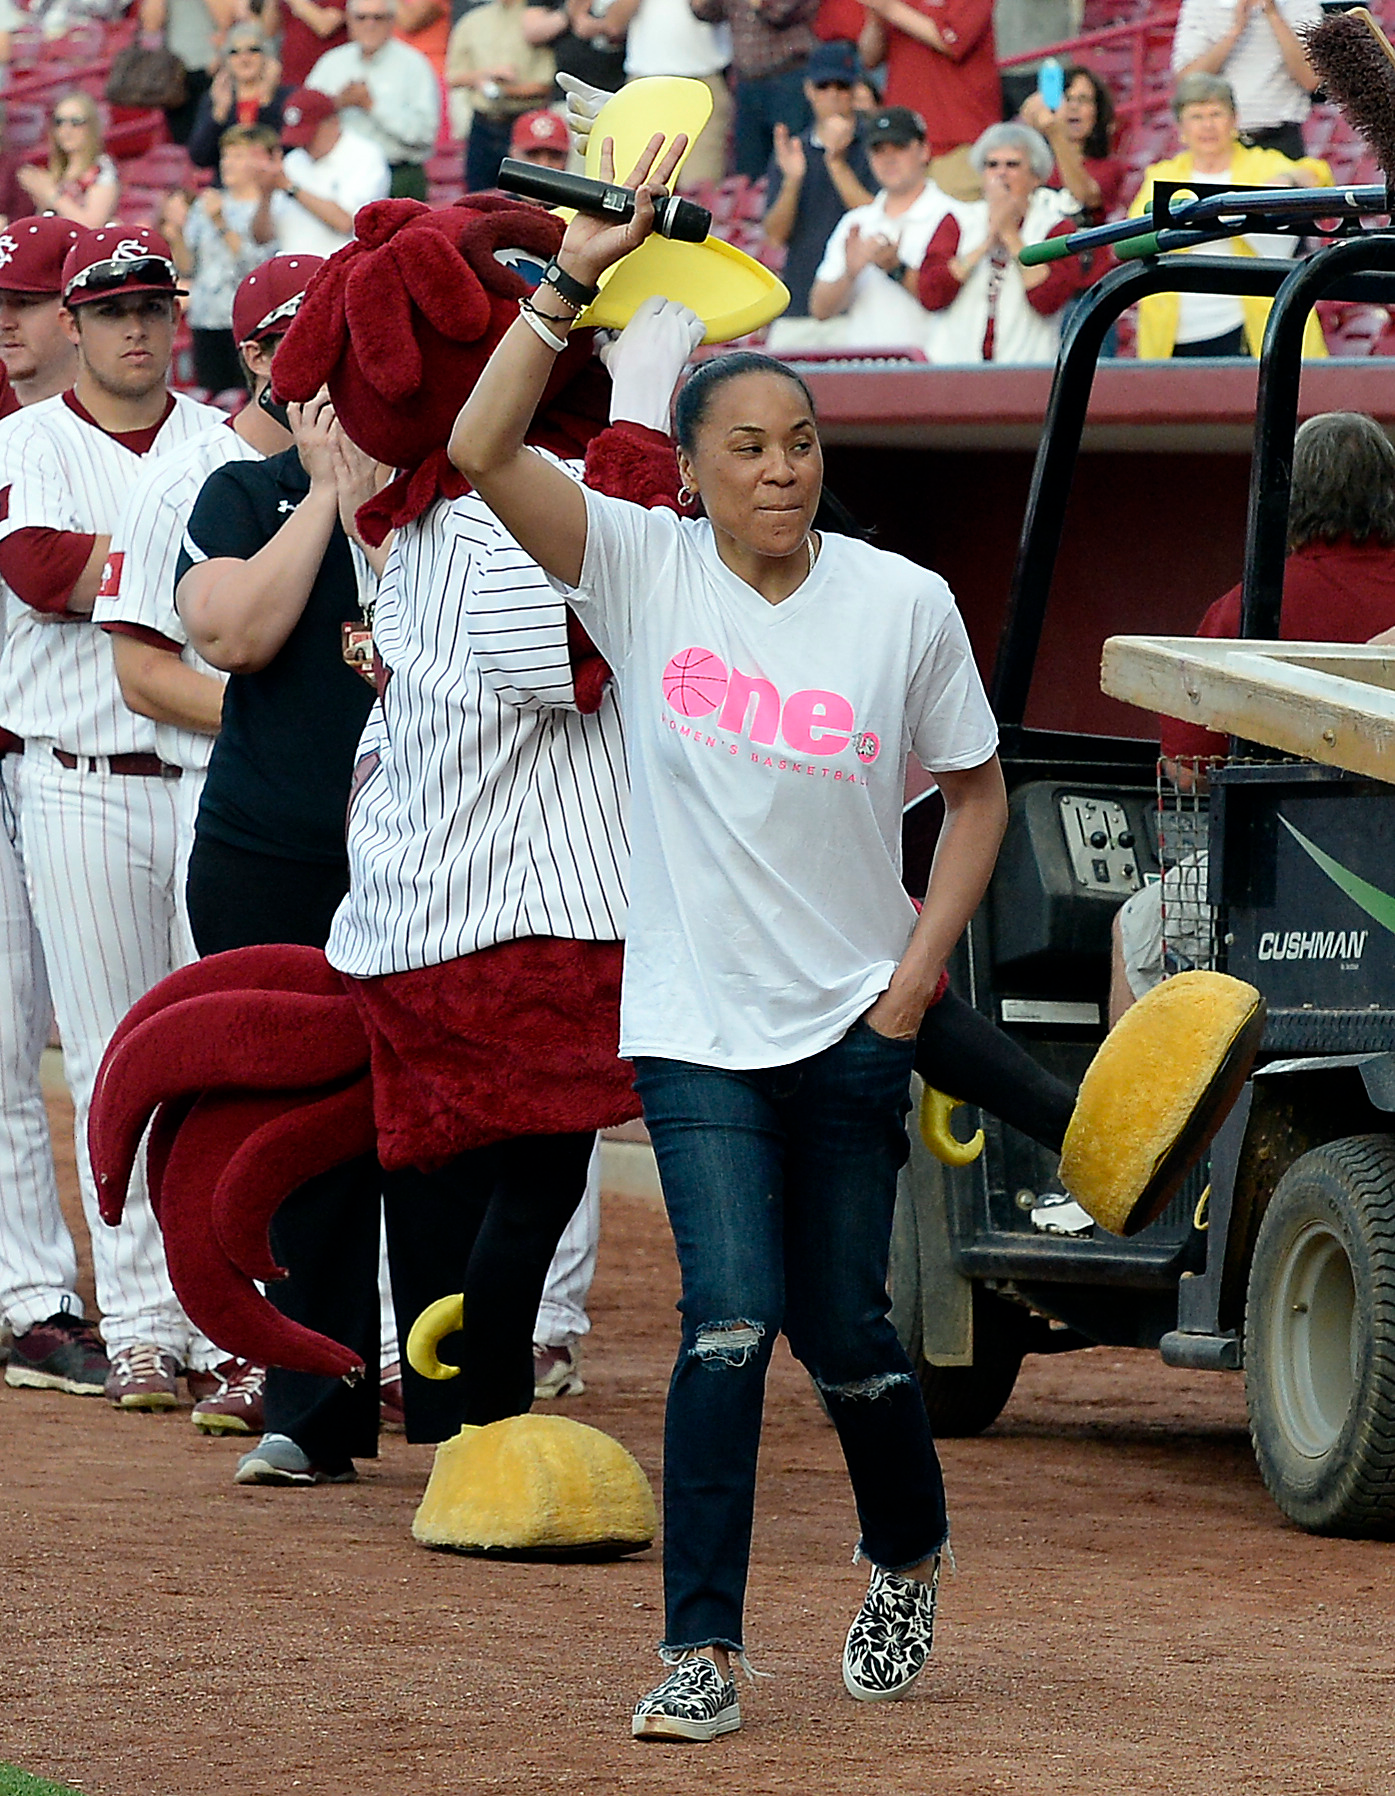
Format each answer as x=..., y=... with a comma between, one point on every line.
x=1329, y=702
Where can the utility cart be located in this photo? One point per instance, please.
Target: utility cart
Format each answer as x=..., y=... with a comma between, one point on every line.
x=1277, y=1257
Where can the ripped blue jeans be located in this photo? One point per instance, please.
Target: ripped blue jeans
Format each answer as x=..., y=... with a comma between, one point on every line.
x=780, y=1186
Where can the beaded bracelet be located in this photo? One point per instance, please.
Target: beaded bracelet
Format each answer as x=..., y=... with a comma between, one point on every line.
x=534, y=320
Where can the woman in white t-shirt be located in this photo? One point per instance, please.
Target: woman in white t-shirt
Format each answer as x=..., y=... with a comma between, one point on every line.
x=772, y=680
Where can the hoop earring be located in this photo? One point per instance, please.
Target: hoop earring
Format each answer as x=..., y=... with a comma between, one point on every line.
x=687, y=495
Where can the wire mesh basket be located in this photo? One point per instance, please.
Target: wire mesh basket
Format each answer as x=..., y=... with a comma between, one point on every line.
x=1186, y=920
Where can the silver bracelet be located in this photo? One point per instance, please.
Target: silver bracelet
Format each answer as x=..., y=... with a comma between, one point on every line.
x=555, y=343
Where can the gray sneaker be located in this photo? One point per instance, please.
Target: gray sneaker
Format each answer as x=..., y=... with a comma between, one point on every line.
x=694, y=1702
x=888, y=1644
x=62, y=1354
x=276, y=1459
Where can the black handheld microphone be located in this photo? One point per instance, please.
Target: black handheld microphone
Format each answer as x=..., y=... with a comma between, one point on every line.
x=673, y=217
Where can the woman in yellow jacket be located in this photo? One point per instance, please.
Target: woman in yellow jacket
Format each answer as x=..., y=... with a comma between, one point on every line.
x=1213, y=324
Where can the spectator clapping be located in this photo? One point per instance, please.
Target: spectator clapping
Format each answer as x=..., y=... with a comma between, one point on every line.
x=80, y=181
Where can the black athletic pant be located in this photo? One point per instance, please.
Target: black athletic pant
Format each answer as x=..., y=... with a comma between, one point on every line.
x=487, y=1225
x=962, y=1054
x=326, y=1233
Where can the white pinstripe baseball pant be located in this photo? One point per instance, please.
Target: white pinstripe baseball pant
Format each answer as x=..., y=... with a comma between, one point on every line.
x=562, y=1313
x=100, y=863
x=38, y=1264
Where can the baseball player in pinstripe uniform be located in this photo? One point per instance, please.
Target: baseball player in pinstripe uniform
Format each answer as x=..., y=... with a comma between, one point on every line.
x=161, y=676
x=99, y=803
x=164, y=679
x=56, y=1347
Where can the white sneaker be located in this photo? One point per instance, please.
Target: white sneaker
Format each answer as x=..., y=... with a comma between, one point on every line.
x=556, y=1372
x=1057, y=1214
x=694, y=1702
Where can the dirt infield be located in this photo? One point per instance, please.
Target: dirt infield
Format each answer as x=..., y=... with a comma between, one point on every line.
x=1131, y=1614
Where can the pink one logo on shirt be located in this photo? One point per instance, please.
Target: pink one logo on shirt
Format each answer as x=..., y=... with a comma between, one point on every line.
x=697, y=682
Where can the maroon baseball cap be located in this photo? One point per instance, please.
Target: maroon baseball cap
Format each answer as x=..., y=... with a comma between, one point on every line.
x=32, y=252
x=118, y=258
x=541, y=130
x=303, y=114
x=270, y=297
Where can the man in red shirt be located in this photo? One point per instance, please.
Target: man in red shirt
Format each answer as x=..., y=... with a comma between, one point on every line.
x=1339, y=586
x=941, y=62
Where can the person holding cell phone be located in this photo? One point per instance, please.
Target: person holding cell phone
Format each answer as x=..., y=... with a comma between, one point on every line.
x=1074, y=111
x=772, y=678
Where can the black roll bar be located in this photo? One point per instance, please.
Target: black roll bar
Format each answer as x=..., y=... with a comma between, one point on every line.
x=1355, y=268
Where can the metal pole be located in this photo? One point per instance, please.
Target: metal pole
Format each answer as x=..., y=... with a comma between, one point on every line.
x=1059, y=444
x=1276, y=417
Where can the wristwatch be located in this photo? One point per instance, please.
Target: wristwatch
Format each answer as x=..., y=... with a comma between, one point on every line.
x=898, y=272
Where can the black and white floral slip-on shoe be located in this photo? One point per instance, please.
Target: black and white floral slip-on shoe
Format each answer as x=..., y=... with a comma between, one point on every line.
x=694, y=1702
x=888, y=1644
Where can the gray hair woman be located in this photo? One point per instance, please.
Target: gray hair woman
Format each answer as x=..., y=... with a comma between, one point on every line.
x=990, y=308
x=1219, y=324
x=1202, y=90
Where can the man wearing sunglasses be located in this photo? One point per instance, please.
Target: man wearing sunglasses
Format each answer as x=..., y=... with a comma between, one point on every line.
x=387, y=92
x=99, y=801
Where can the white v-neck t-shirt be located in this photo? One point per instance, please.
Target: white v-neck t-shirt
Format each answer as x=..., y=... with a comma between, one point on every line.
x=767, y=747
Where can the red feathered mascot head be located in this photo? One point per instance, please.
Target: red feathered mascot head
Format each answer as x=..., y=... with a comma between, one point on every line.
x=400, y=322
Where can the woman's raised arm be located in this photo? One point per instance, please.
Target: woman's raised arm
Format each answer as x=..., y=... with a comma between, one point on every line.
x=543, y=509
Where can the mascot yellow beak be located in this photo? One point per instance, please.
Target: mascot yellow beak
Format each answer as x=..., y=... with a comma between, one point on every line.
x=444, y=1317
x=936, y=1109
x=729, y=291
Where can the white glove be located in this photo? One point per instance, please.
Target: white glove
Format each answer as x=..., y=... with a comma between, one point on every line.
x=584, y=102
x=646, y=359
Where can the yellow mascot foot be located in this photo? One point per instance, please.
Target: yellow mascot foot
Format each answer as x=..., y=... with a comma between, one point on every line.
x=1160, y=1086
x=536, y=1487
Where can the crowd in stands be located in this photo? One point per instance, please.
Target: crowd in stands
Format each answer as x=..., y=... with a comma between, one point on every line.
x=863, y=142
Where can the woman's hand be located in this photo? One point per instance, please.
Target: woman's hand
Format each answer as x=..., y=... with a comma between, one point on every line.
x=590, y=245
x=1035, y=112
x=39, y=184
x=221, y=95
x=898, y=1017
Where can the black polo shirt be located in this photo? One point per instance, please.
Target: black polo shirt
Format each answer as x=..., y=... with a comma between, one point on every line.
x=815, y=217
x=278, y=782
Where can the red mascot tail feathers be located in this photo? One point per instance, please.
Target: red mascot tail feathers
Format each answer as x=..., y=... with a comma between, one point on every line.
x=253, y=1066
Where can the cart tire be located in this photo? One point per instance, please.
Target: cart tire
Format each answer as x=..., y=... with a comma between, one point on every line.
x=963, y=1400
x=1320, y=1339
